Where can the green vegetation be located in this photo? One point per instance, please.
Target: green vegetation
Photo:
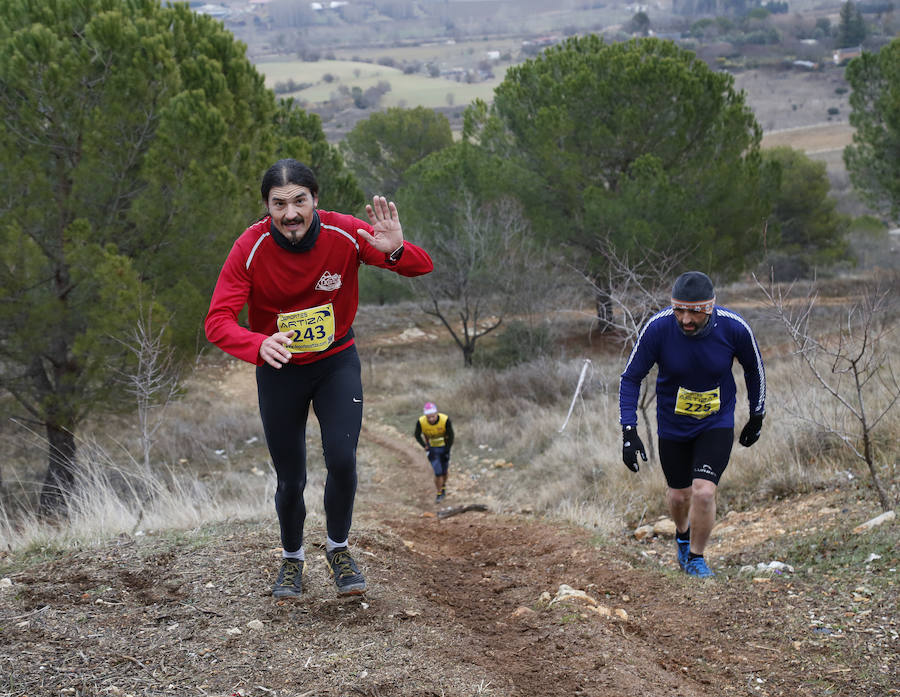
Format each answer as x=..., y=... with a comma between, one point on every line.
x=299, y=134
x=841, y=548
x=804, y=230
x=120, y=202
x=875, y=113
x=851, y=30
x=514, y=413
x=121, y=198
x=460, y=201
x=381, y=149
x=637, y=145
x=639, y=141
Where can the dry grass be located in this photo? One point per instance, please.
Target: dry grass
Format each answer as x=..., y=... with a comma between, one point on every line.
x=515, y=416
x=212, y=463
x=821, y=138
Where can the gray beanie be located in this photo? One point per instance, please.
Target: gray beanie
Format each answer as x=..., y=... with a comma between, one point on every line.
x=693, y=287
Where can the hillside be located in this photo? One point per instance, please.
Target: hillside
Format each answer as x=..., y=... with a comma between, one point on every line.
x=461, y=605
x=347, y=50
x=497, y=602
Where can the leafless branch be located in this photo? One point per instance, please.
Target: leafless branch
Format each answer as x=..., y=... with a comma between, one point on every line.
x=848, y=364
x=485, y=267
x=632, y=290
x=153, y=382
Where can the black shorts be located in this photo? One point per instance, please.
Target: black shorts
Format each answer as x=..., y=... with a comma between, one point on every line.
x=439, y=457
x=703, y=457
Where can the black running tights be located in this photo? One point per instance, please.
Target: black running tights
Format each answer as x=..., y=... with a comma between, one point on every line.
x=334, y=388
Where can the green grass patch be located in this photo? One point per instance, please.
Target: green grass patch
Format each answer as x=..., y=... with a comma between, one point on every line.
x=417, y=89
x=839, y=548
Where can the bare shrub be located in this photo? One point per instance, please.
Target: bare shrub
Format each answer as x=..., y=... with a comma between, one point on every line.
x=852, y=364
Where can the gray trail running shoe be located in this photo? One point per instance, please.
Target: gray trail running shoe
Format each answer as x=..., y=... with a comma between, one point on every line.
x=289, y=583
x=347, y=577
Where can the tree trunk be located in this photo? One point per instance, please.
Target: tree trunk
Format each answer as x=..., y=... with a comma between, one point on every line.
x=60, y=478
x=604, y=313
x=468, y=354
x=873, y=471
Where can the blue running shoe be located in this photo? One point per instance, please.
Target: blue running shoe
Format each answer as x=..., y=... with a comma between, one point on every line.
x=697, y=567
x=684, y=548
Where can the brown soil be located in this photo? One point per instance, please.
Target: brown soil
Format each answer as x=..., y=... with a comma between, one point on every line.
x=457, y=606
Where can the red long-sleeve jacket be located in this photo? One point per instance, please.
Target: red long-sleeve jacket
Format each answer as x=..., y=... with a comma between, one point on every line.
x=271, y=280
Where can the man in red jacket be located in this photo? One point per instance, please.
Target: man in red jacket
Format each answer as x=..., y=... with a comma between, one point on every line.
x=296, y=269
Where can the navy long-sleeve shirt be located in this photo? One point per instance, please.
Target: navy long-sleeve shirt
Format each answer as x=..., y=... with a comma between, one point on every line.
x=697, y=364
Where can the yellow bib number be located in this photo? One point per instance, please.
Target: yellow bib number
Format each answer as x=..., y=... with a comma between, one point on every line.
x=313, y=328
x=697, y=404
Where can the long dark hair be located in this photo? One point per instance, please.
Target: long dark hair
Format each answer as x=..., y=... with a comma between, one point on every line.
x=288, y=171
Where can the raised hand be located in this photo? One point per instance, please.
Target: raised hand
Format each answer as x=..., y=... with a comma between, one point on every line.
x=387, y=234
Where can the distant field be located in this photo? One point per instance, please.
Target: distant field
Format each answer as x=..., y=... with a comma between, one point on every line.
x=406, y=90
x=791, y=98
x=812, y=139
x=447, y=53
x=804, y=110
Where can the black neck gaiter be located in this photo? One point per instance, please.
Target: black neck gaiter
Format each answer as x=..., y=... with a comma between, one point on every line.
x=306, y=242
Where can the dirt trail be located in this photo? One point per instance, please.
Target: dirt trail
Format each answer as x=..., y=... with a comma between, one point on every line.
x=640, y=634
x=457, y=606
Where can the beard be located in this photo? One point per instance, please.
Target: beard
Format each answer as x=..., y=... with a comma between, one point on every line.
x=692, y=328
x=297, y=233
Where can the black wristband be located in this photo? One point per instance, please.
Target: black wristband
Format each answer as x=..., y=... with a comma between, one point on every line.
x=394, y=256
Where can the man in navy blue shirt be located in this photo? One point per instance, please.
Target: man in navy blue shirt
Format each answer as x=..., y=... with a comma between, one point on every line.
x=693, y=343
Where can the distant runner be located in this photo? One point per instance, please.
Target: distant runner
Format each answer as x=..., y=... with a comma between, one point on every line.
x=434, y=432
x=694, y=343
x=297, y=269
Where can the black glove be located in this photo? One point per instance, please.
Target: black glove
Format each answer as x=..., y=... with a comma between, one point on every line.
x=750, y=433
x=631, y=446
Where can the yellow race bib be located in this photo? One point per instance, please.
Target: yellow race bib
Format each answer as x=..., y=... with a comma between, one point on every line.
x=313, y=328
x=697, y=404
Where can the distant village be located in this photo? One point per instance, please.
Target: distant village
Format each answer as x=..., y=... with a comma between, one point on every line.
x=251, y=7
x=255, y=12
x=249, y=12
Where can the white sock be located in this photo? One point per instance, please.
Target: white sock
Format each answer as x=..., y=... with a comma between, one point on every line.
x=299, y=555
x=331, y=545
